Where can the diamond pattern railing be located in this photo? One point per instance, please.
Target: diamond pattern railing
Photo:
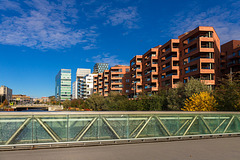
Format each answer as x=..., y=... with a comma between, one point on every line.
x=45, y=128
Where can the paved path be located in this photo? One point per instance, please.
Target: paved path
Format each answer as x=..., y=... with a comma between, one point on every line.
x=206, y=149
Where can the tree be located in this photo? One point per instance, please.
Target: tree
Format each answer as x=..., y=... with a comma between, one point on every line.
x=66, y=104
x=176, y=97
x=227, y=93
x=5, y=103
x=78, y=103
x=95, y=102
x=115, y=102
x=2, y=98
x=200, y=102
x=195, y=86
x=53, y=100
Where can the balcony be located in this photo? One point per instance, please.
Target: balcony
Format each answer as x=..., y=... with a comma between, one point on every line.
x=166, y=67
x=191, y=50
x=147, y=87
x=191, y=70
x=207, y=45
x=194, y=59
x=191, y=39
x=148, y=72
x=207, y=66
x=170, y=74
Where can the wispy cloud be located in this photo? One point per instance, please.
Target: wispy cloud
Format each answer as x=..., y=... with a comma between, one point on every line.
x=125, y=16
x=225, y=20
x=112, y=60
x=47, y=25
x=9, y=5
x=98, y=12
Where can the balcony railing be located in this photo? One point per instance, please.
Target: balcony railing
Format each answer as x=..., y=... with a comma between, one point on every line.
x=191, y=50
x=166, y=67
x=146, y=87
x=171, y=74
x=191, y=70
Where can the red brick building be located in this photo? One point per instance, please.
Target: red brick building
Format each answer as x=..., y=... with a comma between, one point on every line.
x=194, y=54
x=116, y=79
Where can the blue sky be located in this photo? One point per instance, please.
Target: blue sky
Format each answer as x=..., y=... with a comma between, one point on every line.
x=39, y=37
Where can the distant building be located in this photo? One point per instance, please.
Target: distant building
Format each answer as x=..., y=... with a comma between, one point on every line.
x=114, y=80
x=45, y=99
x=5, y=93
x=81, y=82
x=63, y=85
x=100, y=67
x=21, y=99
x=230, y=57
x=74, y=90
x=87, y=86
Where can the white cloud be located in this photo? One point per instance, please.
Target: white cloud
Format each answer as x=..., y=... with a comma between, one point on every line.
x=112, y=60
x=125, y=16
x=225, y=20
x=9, y=5
x=47, y=25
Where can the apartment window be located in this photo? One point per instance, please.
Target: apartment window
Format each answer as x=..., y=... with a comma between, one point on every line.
x=207, y=45
x=175, y=63
x=139, y=60
x=175, y=81
x=127, y=70
x=207, y=77
x=207, y=66
x=175, y=45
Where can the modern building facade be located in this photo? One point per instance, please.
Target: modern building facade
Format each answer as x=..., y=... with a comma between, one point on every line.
x=5, y=93
x=74, y=90
x=113, y=80
x=230, y=57
x=199, y=52
x=80, y=82
x=150, y=70
x=100, y=67
x=194, y=54
x=168, y=62
x=136, y=70
x=63, y=85
x=87, y=86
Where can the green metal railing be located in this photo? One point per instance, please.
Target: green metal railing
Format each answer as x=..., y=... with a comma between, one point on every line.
x=48, y=127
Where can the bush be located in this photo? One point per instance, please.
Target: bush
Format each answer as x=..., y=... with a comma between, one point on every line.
x=200, y=102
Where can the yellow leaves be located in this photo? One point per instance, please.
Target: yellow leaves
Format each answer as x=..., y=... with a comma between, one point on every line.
x=200, y=102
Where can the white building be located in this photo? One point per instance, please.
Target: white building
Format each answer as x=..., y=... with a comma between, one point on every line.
x=6, y=93
x=88, y=86
x=74, y=90
x=80, y=81
x=83, y=85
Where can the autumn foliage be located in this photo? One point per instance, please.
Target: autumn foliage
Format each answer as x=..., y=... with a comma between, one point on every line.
x=203, y=101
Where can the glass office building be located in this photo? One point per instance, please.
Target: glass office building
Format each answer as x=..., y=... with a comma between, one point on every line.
x=63, y=85
x=100, y=67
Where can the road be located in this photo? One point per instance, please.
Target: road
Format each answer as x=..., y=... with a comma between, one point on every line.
x=205, y=149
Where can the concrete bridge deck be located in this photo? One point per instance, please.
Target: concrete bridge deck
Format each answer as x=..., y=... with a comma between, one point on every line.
x=206, y=149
